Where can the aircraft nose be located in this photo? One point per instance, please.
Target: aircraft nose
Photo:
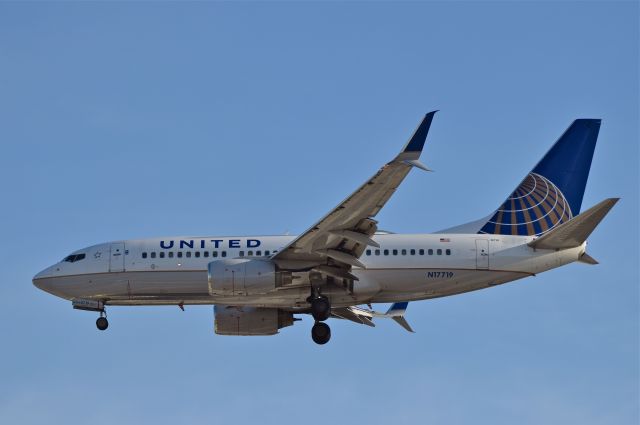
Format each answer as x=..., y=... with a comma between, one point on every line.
x=43, y=280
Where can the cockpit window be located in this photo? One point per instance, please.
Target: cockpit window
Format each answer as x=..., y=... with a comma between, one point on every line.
x=74, y=257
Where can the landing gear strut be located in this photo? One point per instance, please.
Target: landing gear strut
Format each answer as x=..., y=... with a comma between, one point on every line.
x=102, y=323
x=320, y=308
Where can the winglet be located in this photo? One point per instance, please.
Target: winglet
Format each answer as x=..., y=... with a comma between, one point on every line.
x=396, y=312
x=362, y=315
x=416, y=143
x=397, y=309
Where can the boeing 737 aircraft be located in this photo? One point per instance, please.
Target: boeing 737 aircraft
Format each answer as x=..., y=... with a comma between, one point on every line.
x=258, y=283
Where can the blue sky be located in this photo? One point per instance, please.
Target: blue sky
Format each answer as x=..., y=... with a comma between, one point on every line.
x=135, y=120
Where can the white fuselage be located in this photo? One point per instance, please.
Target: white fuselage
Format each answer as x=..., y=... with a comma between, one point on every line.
x=406, y=267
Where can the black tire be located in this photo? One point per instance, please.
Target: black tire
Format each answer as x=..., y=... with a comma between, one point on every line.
x=320, y=308
x=320, y=333
x=102, y=323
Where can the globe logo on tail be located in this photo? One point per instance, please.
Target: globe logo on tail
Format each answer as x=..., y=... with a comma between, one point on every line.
x=534, y=208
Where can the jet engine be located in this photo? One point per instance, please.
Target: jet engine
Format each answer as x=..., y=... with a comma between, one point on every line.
x=231, y=320
x=243, y=276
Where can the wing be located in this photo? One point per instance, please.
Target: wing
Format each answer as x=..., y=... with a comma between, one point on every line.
x=363, y=316
x=333, y=245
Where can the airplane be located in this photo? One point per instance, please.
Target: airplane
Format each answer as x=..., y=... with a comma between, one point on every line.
x=258, y=284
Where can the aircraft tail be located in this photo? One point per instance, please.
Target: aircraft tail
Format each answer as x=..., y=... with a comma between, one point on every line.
x=551, y=194
x=574, y=232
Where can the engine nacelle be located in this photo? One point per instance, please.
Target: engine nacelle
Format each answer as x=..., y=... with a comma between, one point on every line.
x=241, y=276
x=250, y=320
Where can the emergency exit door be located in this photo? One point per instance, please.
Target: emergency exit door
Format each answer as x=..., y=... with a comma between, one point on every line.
x=116, y=260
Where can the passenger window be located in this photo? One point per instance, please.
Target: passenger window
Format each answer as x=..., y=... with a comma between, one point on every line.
x=197, y=254
x=421, y=252
x=377, y=252
x=267, y=253
x=144, y=255
x=179, y=254
x=224, y=253
x=413, y=252
x=241, y=254
x=205, y=253
x=153, y=255
x=430, y=251
x=386, y=252
x=214, y=254
x=404, y=252
x=368, y=252
x=250, y=253
x=171, y=254
x=439, y=252
x=448, y=252
x=161, y=254
x=258, y=253
x=188, y=254
x=395, y=252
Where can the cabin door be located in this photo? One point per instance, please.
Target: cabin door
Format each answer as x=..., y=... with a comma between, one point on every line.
x=116, y=260
x=482, y=254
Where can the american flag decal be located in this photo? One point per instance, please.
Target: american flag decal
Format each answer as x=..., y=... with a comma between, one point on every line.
x=445, y=240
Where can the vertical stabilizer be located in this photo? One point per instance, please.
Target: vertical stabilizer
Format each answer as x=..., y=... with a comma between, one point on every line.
x=551, y=194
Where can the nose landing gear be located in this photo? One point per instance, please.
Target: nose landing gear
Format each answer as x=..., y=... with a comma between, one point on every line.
x=93, y=305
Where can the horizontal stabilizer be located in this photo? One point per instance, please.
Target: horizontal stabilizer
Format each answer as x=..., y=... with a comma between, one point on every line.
x=587, y=259
x=574, y=232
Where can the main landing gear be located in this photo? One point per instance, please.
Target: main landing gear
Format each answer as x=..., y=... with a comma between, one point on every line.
x=102, y=323
x=320, y=333
x=320, y=308
x=321, y=311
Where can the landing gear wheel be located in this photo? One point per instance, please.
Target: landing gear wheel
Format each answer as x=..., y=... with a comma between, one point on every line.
x=102, y=323
x=320, y=308
x=320, y=333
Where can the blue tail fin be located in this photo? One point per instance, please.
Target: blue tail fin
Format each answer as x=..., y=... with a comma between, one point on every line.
x=552, y=192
